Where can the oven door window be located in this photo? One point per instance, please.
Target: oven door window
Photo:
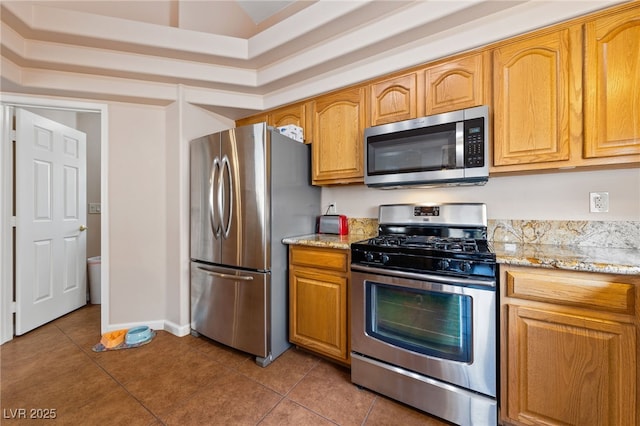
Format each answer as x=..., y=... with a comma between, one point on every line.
x=431, y=323
x=419, y=150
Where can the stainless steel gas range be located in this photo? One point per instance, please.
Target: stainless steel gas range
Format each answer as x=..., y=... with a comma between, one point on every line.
x=424, y=318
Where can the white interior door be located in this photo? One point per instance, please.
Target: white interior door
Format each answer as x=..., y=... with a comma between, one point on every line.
x=50, y=191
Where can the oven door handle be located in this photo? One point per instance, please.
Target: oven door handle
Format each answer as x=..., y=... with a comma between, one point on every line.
x=464, y=281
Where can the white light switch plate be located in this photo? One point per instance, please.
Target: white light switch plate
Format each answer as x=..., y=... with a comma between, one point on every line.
x=95, y=208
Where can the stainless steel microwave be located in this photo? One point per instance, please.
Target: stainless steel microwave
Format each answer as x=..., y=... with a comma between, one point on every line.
x=445, y=149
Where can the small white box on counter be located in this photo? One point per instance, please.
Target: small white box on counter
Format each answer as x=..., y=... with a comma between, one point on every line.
x=294, y=132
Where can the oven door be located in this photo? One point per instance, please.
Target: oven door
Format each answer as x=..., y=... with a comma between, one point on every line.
x=437, y=326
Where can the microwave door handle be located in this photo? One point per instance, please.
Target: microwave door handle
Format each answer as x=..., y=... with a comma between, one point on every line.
x=459, y=145
x=227, y=198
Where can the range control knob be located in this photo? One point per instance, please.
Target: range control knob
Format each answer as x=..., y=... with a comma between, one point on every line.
x=384, y=259
x=368, y=256
x=444, y=264
x=465, y=266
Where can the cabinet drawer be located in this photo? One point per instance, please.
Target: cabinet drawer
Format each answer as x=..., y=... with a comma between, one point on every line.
x=594, y=291
x=334, y=259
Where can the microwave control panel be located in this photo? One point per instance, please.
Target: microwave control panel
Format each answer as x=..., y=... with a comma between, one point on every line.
x=474, y=142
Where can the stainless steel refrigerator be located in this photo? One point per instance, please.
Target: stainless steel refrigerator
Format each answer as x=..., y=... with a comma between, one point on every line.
x=250, y=188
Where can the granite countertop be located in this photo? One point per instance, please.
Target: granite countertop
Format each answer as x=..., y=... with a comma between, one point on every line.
x=577, y=245
x=574, y=258
x=326, y=240
x=571, y=245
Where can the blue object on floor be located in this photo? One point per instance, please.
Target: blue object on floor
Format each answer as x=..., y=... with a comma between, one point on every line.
x=137, y=335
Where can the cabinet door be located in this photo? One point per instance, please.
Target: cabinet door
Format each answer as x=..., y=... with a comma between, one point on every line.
x=533, y=96
x=338, y=140
x=318, y=312
x=569, y=369
x=455, y=84
x=292, y=114
x=394, y=99
x=259, y=118
x=612, y=85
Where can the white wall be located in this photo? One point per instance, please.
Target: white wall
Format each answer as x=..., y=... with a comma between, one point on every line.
x=552, y=196
x=137, y=213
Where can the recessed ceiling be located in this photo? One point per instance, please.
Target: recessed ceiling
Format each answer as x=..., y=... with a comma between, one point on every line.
x=261, y=10
x=239, y=56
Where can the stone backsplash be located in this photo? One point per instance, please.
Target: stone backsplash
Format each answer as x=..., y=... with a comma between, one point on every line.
x=566, y=233
x=363, y=226
x=552, y=232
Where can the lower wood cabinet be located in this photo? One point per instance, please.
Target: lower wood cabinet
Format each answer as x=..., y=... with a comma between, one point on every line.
x=318, y=301
x=569, y=348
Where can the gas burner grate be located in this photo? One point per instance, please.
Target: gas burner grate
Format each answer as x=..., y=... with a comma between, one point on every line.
x=466, y=245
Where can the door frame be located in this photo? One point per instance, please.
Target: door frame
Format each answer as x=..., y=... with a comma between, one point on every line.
x=7, y=305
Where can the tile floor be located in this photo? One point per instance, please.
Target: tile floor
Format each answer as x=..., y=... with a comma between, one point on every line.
x=177, y=381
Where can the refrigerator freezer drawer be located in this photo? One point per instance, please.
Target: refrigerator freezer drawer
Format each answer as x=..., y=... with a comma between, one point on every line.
x=230, y=306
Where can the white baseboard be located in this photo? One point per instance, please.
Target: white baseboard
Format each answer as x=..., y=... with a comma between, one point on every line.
x=177, y=330
x=168, y=326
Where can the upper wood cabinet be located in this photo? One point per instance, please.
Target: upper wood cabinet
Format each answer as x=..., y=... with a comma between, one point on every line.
x=394, y=99
x=292, y=114
x=536, y=91
x=338, y=137
x=569, y=353
x=295, y=114
x=612, y=85
x=458, y=83
x=562, y=97
x=540, y=83
x=258, y=118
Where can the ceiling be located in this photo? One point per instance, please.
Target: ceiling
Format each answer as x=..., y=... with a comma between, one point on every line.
x=241, y=56
x=261, y=10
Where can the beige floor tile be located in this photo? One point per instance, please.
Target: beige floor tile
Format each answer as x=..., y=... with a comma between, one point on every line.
x=33, y=344
x=328, y=391
x=386, y=412
x=169, y=382
x=283, y=373
x=288, y=412
x=228, y=356
x=65, y=392
x=179, y=381
x=229, y=400
x=148, y=360
x=117, y=407
x=29, y=369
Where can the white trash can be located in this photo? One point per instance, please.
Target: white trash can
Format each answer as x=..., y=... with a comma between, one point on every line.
x=93, y=264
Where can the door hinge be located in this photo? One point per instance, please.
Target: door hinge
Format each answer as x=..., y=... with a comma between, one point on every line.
x=13, y=135
x=12, y=307
x=13, y=222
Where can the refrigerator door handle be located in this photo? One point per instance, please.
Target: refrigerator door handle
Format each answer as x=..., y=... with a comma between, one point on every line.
x=215, y=168
x=226, y=276
x=226, y=166
x=220, y=204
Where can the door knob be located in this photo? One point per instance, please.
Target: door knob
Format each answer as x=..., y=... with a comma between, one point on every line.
x=83, y=228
